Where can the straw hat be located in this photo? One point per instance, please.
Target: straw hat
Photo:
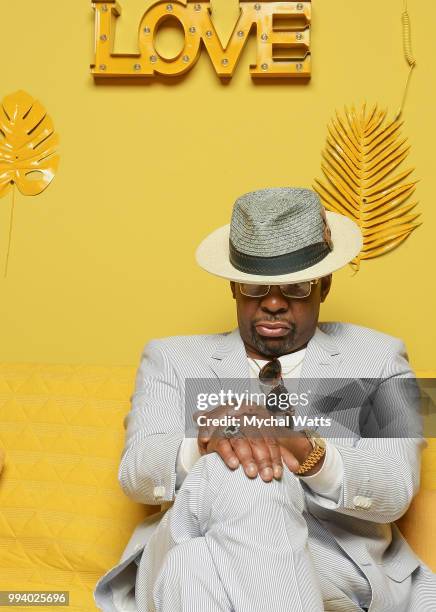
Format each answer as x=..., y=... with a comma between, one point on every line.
x=279, y=235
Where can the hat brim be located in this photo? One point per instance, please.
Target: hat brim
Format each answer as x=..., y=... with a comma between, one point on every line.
x=213, y=254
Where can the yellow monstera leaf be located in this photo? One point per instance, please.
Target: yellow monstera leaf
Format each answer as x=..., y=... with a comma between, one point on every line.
x=28, y=144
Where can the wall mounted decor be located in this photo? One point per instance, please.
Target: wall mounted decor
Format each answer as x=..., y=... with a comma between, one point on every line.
x=282, y=30
x=408, y=55
x=362, y=151
x=28, y=144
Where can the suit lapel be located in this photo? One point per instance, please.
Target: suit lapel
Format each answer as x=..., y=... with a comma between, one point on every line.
x=322, y=357
x=229, y=360
x=333, y=393
x=227, y=369
x=321, y=361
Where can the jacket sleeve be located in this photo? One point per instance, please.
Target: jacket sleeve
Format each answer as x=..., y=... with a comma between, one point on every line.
x=382, y=471
x=154, y=430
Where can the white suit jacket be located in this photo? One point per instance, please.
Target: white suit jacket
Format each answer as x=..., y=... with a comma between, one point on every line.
x=381, y=475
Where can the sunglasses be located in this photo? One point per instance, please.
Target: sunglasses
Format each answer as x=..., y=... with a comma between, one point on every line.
x=292, y=290
x=270, y=376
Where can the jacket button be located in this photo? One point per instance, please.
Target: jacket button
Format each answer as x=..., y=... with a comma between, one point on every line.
x=159, y=492
x=362, y=502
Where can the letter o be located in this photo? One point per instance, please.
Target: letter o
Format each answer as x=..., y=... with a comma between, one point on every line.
x=152, y=19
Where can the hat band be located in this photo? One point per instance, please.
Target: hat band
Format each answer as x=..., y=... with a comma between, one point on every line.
x=279, y=264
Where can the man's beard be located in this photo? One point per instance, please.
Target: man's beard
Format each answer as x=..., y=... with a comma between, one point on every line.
x=273, y=347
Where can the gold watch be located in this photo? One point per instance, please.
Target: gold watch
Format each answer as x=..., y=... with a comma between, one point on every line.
x=318, y=451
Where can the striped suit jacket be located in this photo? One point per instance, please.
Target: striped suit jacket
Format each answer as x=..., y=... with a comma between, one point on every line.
x=381, y=475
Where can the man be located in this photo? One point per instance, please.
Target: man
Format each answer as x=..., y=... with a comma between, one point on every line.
x=283, y=518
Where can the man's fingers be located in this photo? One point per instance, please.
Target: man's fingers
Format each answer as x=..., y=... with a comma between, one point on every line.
x=205, y=434
x=202, y=446
x=276, y=456
x=289, y=459
x=262, y=457
x=224, y=449
x=243, y=451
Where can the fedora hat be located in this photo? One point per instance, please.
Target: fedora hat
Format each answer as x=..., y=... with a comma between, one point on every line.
x=279, y=235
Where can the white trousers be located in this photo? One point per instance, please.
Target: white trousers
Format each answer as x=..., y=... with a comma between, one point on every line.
x=234, y=544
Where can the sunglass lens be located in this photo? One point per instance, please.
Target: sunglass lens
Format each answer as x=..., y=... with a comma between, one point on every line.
x=270, y=372
x=297, y=290
x=253, y=290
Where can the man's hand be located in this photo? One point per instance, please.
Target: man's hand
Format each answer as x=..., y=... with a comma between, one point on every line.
x=260, y=450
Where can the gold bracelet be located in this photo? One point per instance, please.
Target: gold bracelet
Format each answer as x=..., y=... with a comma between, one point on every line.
x=311, y=460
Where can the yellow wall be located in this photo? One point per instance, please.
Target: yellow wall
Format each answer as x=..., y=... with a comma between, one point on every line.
x=103, y=260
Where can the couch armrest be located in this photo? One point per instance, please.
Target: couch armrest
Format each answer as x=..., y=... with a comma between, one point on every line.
x=418, y=526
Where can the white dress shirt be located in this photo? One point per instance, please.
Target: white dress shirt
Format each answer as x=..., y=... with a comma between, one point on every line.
x=326, y=483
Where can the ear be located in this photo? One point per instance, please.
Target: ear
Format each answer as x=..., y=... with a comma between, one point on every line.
x=233, y=288
x=326, y=283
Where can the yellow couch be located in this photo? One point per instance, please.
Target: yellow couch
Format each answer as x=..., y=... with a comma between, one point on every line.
x=64, y=519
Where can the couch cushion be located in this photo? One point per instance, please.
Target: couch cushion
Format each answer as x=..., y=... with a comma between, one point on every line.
x=64, y=519
x=418, y=525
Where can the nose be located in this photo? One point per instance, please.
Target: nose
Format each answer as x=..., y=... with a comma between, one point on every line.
x=274, y=301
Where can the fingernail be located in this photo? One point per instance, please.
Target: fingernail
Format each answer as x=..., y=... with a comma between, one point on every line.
x=251, y=469
x=278, y=471
x=233, y=462
x=267, y=473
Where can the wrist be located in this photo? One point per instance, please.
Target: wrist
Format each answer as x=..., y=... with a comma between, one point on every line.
x=314, y=460
x=316, y=468
x=303, y=449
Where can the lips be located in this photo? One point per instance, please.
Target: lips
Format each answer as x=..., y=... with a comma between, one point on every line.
x=272, y=330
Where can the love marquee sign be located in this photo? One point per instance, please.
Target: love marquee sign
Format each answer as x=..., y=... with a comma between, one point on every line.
x=282, y=31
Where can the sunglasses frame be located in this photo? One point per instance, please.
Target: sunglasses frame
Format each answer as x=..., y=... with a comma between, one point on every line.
x=296, y=297
x=270, y=375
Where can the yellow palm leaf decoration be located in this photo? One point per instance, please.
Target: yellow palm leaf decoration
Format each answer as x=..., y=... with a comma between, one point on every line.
x=362, y=151
x=28, y=143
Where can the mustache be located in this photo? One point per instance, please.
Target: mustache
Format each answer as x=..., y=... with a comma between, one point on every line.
x=274, y=347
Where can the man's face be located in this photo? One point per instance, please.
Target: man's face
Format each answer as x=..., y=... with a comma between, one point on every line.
x=298, y=315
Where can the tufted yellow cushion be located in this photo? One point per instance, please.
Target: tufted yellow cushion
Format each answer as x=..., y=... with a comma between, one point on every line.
x=64, y=519
x=418, y=525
